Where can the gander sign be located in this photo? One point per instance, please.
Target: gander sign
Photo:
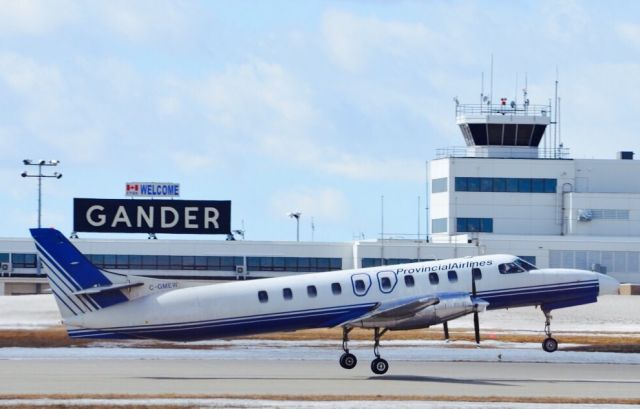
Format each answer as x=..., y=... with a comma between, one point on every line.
x=152, y=216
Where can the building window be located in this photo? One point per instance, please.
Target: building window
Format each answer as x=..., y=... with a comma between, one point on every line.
x=453, y=276
x=550, y=185
x=287, y=294
x=312, y=291
x=434, y=279
x=336, y=288
x=376, y=262
x=23, y=260
x=462, y=185
x=439, y=225
x=486, y=184
x=439, y=185
x=263, y=297
x=474, y=225
x=537, y=185
x=296, y=264
x=473, y=184
x=409, y=281
x=513, y=185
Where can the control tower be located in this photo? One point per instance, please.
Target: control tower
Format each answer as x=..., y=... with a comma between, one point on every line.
x=507, y=130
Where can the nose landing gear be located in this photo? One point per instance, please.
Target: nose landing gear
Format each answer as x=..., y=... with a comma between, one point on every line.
x=549, y=344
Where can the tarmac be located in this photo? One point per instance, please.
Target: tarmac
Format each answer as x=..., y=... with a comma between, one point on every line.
x=251, y=378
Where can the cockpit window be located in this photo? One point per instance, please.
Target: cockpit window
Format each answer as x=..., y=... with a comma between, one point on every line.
x=527, y=266
x=510, y=268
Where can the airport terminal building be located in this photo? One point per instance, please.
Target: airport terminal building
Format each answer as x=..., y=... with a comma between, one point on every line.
x=501, y=193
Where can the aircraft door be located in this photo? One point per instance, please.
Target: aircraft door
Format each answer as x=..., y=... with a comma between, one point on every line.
x=387, y=281
x=361, y=283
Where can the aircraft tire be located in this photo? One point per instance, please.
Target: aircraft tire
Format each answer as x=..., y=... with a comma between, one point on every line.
x=348, y=361
x=550, y=344
x=379, y=366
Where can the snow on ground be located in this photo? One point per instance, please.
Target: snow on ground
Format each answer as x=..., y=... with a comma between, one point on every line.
x=613, y=313
x=28, y=311
x=291, y=404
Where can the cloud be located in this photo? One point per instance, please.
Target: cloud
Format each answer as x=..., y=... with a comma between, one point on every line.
x=326, y=204
x=35, y=17
x=190, y=162
x=629, y=32
x=146, y=20
x=353, y=40
x=274, y=115
x=565, y=20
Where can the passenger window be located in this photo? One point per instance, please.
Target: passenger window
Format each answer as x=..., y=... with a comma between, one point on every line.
x=263, y=296
x=336, y=289
x=453, y=276
x=409, y=281
x=476, y=273
x=287, y=294
x=434, y=279
x=360, y=287
x=312, y=291
x=385, y=283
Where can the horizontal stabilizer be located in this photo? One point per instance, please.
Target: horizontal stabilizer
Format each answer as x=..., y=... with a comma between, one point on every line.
x=101, y=289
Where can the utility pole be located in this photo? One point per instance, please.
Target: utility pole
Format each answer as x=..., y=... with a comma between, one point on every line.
x=40, y=175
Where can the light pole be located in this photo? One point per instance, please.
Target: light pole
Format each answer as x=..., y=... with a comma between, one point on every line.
x=40, y=164
x=40, y=175
x=296, y=216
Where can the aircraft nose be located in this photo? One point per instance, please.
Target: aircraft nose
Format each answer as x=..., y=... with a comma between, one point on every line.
x=608, y=285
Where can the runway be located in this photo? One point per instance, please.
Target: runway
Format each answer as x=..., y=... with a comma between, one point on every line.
x=159, y=376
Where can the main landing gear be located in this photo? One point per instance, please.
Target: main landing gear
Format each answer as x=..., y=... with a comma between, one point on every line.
x=549, y=344
x=347, y=360
x=379, y=366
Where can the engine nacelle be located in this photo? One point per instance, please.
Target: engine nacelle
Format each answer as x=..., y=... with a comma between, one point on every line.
x=449, y=307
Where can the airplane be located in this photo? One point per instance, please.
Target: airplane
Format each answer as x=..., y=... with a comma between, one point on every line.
x=96, y=303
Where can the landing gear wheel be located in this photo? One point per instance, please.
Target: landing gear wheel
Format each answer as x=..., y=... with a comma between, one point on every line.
x=348, y=361
x=550, y=344
x=379, y=366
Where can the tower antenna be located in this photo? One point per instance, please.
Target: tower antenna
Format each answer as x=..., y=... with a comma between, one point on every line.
x=481, y=88
x=491, y=87
x=515, y=91
x=555, y=118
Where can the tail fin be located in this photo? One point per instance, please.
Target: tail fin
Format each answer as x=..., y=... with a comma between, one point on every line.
x=71, y=275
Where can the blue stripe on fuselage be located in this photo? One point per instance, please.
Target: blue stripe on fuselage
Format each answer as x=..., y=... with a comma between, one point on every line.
x=539, y=295
x=317, y=318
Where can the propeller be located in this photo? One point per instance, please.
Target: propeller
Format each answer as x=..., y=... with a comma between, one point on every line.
x=476, y=320
x=445, y=326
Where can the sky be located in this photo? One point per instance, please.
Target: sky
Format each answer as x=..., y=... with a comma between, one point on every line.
x=320, y=107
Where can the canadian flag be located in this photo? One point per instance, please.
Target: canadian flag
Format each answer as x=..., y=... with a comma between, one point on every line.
x=132, y=187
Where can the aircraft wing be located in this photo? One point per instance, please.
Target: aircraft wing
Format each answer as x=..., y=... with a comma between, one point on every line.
x=397, y=309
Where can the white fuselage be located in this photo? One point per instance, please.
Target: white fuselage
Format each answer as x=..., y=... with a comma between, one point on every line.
x=334, y=298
